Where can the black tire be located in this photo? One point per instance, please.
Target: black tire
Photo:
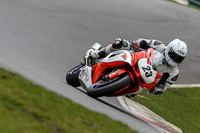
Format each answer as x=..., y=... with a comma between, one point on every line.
x=109, y=87
x=72, y=76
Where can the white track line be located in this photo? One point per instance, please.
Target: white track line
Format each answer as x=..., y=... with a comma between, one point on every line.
x=147, y=115
x=184, y=2
x=184, y=85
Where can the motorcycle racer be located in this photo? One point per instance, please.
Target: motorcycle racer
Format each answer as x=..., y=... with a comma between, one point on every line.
x=174, y=54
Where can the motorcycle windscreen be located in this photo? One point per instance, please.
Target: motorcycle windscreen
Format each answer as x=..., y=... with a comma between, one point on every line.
x=120, y=55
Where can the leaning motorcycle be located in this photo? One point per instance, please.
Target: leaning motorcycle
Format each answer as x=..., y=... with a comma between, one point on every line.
x=119, y=73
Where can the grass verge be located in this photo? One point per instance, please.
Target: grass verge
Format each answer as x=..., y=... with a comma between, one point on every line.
x=178, y=106
x=28, y=108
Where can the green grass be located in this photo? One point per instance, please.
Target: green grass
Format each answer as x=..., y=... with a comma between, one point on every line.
x=179, y=106
x=28, y=108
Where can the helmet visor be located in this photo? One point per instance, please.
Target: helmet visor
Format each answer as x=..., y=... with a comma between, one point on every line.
x=175, y=57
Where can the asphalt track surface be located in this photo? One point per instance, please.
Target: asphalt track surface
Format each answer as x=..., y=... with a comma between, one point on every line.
x=43, y=39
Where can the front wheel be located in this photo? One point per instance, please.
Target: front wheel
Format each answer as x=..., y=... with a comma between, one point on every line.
x=105, y=88
x=72, y=76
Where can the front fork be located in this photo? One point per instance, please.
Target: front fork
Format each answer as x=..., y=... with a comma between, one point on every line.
x=86, y=60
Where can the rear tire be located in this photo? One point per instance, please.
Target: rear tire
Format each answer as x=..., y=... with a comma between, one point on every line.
x=105, y=88
x=72, y=76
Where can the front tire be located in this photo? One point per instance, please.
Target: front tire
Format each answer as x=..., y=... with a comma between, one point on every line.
x=105, y=88
x=72, y=76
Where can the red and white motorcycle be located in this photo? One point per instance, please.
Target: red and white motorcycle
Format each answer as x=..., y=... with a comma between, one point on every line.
x=121, y=72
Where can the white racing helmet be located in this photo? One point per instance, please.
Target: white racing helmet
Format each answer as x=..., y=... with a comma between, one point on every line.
x=175, y=52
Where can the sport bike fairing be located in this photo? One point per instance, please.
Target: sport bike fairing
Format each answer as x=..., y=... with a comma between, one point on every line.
x=120, y=58
x=113, y=60
x=85, y=77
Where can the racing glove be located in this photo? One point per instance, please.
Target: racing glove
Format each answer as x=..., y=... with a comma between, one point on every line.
x=142, y=43
x=118, y=43
x=161, y=86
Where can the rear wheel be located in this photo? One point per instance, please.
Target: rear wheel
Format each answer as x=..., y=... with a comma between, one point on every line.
x=72, y=76
x=108, y=87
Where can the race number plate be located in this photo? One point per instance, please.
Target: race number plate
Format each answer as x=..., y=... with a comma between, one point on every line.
x=146, y=71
